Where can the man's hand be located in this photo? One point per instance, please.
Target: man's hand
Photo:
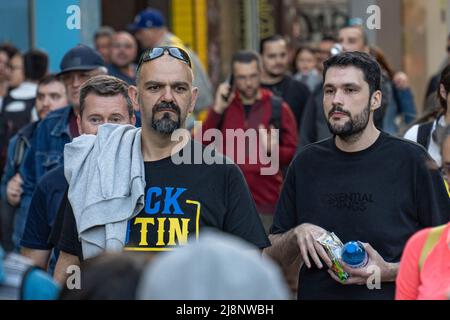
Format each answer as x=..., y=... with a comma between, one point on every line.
x=401, y=80
x=306, y=235
x=220, y=104
x=268, y=141
x=388, y=271
x=14, y=190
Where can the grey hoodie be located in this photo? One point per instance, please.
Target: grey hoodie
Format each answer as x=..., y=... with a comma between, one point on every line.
x=106, y=179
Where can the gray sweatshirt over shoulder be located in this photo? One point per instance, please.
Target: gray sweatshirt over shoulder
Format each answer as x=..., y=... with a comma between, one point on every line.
x=106, y=179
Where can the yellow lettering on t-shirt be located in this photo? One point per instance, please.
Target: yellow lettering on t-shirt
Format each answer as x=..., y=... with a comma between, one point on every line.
x=160, y=241
x=178, y=232
x=144, y=222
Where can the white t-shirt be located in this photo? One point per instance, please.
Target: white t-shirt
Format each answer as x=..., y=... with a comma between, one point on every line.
x=433, y=149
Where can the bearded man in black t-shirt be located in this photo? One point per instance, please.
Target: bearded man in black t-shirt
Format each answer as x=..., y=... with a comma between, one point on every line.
x=361, y=184
x=181, y=195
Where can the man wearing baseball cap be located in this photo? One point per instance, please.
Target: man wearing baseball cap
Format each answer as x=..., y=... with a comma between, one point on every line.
x=60, y=126
x=150, y=29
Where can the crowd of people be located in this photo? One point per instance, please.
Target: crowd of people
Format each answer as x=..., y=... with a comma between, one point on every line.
x=106, y=168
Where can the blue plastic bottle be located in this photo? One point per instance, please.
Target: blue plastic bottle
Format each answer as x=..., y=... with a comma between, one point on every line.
x=354, y=254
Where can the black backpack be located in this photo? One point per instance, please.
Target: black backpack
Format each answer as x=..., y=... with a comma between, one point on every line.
x=424, y=134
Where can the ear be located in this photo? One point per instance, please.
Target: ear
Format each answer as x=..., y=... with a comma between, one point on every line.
x=193, y=99
x=442, y=92
x=80, y=131
x=132, y=93
x=375, y=100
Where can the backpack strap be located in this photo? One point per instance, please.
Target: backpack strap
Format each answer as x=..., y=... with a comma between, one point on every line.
x=275, y=118
x=431, y=241
x=424, y=134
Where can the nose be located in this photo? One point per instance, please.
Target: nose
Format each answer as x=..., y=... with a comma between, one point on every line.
x=338, y=98
x=168, y=95
x=46, y=101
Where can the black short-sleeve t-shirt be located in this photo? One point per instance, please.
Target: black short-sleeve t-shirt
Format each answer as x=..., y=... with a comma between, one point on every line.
x=180, y=201
x=381, y=195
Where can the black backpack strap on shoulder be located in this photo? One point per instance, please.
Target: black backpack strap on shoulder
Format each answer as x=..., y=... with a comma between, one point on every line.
x=275, y=119
x=424, y=134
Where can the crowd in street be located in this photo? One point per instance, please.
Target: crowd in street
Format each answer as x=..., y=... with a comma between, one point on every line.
x=324, y=138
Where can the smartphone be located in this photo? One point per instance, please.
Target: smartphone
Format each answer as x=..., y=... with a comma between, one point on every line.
x=230, y=81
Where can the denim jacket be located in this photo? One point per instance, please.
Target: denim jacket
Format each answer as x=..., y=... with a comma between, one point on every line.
x=46, y=153
x=18, y=147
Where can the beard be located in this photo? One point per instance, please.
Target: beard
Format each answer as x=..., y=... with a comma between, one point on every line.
x=276, y=74
x=353, y=127
x=166, y=125
x=249, y=94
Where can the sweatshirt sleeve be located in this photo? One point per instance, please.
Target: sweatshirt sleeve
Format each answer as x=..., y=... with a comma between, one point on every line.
x=408, y=278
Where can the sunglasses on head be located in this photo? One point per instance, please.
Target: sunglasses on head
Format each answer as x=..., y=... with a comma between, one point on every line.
x=158, y=52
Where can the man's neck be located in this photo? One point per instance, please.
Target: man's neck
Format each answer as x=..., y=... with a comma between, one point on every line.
x=156, y=146
x=268, y=79
x=360, y=141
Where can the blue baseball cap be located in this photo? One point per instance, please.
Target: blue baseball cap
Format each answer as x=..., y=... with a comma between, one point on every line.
x=81, y=58
x=148, y=18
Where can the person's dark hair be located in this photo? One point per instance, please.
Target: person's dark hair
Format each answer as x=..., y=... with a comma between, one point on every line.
x=35, y=64
x=105, y=86
x=382, y=60
x=361, y=60
x=108, y=277
x=273, y=38
x=328, y=37
x=49, y=78
x=9, y=49
x=297, y=52
x=437, y=111
x=104, y=31
x=245, y=56
x=445, y=81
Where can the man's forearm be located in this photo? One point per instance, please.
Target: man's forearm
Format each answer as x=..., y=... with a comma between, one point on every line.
x=391, y=272
x=65, y=260
x=284, y=248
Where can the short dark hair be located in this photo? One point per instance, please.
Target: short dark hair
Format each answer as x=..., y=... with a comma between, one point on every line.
x=361, y=60
x=328, y=37
x=273, y=38
x=35, y=64
x=246, y=56
x=105, y=86
x=49, y=78
x=9, y=49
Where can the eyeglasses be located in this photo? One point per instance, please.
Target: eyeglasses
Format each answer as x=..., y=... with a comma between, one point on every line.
x=158, y=52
